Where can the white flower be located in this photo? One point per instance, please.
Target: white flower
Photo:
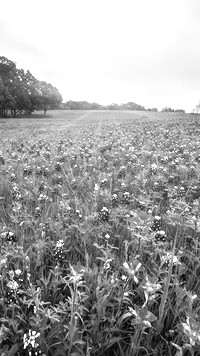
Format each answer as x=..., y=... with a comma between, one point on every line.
x=18, y=272
x=133, y=269
x=3, y=262
x=96, y=187
x=29, y=339
x=13, y=285
x=154, y=166
x=60, y=244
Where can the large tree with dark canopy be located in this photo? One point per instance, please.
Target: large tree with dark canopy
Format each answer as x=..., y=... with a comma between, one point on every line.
x=21, y=93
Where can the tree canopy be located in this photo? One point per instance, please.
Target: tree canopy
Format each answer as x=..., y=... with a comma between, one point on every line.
x=84, y=105
x=21, y=92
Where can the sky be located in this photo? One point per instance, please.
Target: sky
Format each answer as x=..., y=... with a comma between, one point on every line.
x=108, y=51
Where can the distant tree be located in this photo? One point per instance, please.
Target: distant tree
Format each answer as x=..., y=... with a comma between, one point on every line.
x=197, y=108
x=152, y=109
x=48, y=97
x=181, y=111
x=167, y=109
x=114, y=106
x=132, y=106
x=2, y=98
x=8, y=75
x=21, y=92
x=82, y=105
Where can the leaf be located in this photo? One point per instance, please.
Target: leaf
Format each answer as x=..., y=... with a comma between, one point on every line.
x=13, y=350
x=126, y=315
x=180, y=351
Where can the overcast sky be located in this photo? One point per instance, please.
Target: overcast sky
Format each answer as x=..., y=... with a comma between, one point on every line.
x=146, y=51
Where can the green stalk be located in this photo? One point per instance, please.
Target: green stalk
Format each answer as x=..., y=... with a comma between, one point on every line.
x=166, y=289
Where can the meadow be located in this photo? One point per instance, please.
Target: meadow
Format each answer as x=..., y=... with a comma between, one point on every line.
x=100, y=234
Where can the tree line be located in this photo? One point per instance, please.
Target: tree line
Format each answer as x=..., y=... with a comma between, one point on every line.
x=84, y=105
x=21, y=93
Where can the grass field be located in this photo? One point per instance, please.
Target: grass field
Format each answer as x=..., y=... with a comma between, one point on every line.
x=100, y=234
x=60, y=119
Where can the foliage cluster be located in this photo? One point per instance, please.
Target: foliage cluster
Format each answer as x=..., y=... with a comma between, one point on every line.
x=21, y=93
x=100, y=232
x=168, y=109
x=84, y=105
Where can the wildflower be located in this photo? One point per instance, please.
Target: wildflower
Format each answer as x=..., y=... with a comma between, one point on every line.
x=167, y=259
x=38, y=171
x=114, y=200
x=123, y=185
x=58, y=166
x=29, y=341
x=3, y=262
x=192, y=330
x=18, y=272
x=160, y=236
x=96, y=188
x=122, y=172
x=104, y=183
x=126, y=198
x=42, y=198
x=182, y=191
x=107, y=263
x=191, y=297
x=10, y=237
x=43, y=234
x=156, y=223
x=132, y=269
x=104, y=214
x=74, y=184
x=141, y=205
x=154, y=167
x=150, y=285
x=78, y=213
x=13, y=285
x=13, y=177
x=38, y=211
x=11, y=274
x=150, y=288
x=143, y=317
x=60, y=244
